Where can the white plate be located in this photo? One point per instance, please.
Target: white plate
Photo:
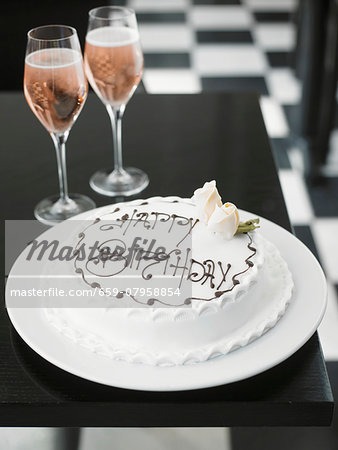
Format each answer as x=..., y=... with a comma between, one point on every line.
x=300, y=321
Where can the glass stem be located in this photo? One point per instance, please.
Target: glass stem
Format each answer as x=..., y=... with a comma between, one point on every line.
x=116, y=114
x=60, y=148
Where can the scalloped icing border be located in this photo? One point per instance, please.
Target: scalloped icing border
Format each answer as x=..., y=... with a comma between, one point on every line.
x=96, y=345
x=198, y=308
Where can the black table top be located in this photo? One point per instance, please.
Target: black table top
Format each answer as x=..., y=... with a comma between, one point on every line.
x=181, y=141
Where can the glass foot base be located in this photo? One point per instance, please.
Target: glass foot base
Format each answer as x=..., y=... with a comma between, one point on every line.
x=112, y=184
x=53, y=210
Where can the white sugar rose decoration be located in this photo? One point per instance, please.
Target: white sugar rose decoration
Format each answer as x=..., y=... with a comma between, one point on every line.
x=224, y=220
x=220, y=219
x=206, y=199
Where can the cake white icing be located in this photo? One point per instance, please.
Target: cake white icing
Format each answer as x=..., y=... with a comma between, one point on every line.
x=215, y=319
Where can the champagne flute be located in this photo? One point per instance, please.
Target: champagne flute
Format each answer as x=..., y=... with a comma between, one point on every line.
x=114, y=64
x=56, y=89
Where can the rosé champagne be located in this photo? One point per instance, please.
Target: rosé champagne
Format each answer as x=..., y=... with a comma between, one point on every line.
x=113, y=63
x=55, y=87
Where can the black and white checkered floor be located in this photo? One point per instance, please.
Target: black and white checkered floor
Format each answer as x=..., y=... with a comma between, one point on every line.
x=212, y=45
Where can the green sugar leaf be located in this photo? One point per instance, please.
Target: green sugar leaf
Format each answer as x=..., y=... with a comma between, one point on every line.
x=249, y=225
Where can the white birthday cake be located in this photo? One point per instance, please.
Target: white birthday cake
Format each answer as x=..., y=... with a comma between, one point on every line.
x=177, y=281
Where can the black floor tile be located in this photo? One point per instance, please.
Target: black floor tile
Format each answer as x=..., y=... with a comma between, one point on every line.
x=237, y=37
x=279, y=149
x=216, y=2
x=169, y=17
x=291, y=438
x=293, y=115
x=304, y=234
x=272, y=16
x=324, y=197
x=279, y=59
x=165, y=60
x=252, y=84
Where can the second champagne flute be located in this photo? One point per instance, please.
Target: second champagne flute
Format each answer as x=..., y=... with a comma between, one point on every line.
x=114, y=65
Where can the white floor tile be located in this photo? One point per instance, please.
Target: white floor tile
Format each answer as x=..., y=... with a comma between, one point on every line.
x=28, y=438
x=271, y=5
x=171, y=81
x=296, y=197
x=220, y=17
x=333, y=156
x=158, y=5
x=325, y=233
x=284, y=86
x=155, y=438
x=328, y=329
x=275, y=36
x=331, y=167
x=274, y=118
x=165, y=38
x=296, y=158
x=229, y=60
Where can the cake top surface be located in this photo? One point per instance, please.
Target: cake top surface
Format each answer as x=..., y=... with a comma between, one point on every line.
x=165, y=243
